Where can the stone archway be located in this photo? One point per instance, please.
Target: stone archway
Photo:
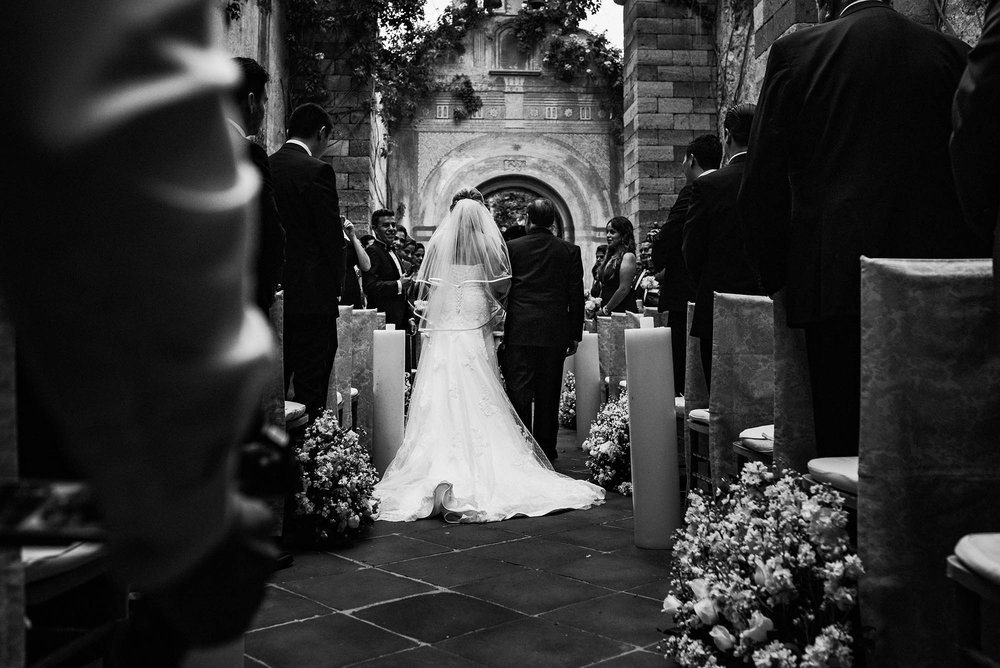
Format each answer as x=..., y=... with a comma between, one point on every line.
x=564, y=219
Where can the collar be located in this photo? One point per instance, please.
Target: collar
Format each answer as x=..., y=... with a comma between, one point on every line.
x=707, y=171
x=298, y=143
x=861, y=4
x=538, y=229
x=239, y=128
x=741, y=155
x=384, y=245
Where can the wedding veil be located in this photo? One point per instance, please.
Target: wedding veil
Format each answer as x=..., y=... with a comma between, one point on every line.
x=467, y=252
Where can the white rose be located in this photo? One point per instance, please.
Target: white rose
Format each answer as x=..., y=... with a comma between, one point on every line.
x=759, y=626
x=724, y=640
x=699, y=587
x=706, y=611
x=671, y=604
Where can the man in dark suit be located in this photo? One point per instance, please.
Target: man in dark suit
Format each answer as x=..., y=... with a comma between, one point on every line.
x=544, y=322
x=306, y=193
x=975, y=142
x=702, y=156
x=386, y=284
x=251, y=101
x=714, y=251
x=849, y=157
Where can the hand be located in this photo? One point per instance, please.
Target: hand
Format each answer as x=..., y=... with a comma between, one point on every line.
x=348, y=227
x=405, y=281
x=571, y=348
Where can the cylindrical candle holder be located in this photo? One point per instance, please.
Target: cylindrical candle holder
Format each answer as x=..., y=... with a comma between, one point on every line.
x=389, y=356
x=653, y=437
x=588, y=385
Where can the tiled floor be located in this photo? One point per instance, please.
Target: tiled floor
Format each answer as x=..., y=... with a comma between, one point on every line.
x=568, y=589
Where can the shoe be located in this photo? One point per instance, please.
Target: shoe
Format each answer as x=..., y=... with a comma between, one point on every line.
x=284, y=560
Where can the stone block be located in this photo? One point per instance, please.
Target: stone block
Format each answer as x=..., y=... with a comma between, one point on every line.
x=704, y=73
x=357, y=181
x=647, y=216
x=360, y=147
x=670, y=169
x=646, y=40
x=648, y=201
x=703, y=105
x=339, y=148
x=655, y=57
x=657, y=121
x=675, y=73
x=342, y=180
x=646, y=72
x=342, y=164
x=687, y=26
x=658, y=153
x=674, y=137
x=649, y=169
x=656, y=88
x=672, y=10
x=651, y=105
x=674, y=105
x=350, y=198
x=646, y=8
x=648, y=137
x=657, y=186
x=652, y=26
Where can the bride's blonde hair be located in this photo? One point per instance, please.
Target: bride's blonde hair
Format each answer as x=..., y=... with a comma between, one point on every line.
x=467, y=193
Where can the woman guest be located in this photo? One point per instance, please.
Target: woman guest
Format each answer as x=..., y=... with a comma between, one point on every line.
x=617, y=274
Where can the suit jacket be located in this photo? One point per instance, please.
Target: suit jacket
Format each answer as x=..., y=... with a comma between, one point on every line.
x=305, y=190
x=676, y=288
x=270, y=260
x=975, y=142
x=849, y=156
x=381, y=286
x=714, y=252
x=545, y=302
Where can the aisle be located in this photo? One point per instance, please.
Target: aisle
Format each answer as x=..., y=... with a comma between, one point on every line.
x=563, y=590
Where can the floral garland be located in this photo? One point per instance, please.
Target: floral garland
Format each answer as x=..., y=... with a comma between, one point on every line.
x=567, y=403
x=338, y=481
x=610, y=461
x=407, y=391
x=764, y=575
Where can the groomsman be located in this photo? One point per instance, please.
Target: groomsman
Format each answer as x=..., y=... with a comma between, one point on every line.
x=702, y=157
x=850, y=157
x=306, y=193
x=544, y=322
x=713, y=242
x=385, y=283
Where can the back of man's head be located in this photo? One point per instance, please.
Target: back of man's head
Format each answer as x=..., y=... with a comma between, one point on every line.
x=707, y=150
x=307, y=120
x=739, y=118
x=253, y=78
x=541, y=213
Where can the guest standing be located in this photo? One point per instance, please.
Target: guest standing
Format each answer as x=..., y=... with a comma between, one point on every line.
x=618, y=271
x=306, y=192
x=714, y=251
x=595, y=271
x=648, y=296
x=385, y=283
x=544, y=322
x=975, y=142
x=850, y=157
x=702, y=156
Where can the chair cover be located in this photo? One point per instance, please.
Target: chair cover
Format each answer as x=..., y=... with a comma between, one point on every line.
x=363, y=325
x=343, y=365
x=929, y=468
x=695, y=387
x=611, y=349
x=794, y=432
x=742, y=375
x=273, y=401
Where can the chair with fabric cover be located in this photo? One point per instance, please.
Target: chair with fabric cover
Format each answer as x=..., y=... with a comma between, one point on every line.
x=929, y=465
x=742, y=392
x=794, y=431
x=611, y=350
x=841, y=473
x=974, y=568
x=755, y=444
x=696, y=458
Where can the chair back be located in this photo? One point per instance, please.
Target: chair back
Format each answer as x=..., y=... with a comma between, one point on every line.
x=929, y=465
x=742, y=392
x=363, y=325
x=611, y=349
x=794, y=431
x=695, y=386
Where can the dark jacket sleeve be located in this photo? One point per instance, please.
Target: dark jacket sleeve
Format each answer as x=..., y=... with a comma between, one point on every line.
x=765, y=200
x=575, y=311
x=975, y=142
x=321, y=195
x=669, y=232
x=271, y=253
x=376, y=282
x=696, y=230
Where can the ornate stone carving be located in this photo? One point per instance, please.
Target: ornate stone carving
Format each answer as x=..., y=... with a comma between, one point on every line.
x=515, y=164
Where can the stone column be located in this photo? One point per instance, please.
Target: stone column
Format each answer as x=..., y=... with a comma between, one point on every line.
x=669, y=99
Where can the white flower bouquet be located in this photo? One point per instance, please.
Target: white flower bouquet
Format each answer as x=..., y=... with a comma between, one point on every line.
x=567, y=403
x=764, y=575
x=338, y=480
x=407, y=391
x=610, y=461
x=591, y=306
x=649, y=283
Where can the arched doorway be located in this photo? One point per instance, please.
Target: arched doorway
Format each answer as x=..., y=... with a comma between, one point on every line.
x=526, y=188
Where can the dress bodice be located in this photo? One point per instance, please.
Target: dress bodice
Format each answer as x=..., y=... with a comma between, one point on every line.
x=462, y=300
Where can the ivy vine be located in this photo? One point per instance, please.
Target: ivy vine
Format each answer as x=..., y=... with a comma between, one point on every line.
x=468, y=100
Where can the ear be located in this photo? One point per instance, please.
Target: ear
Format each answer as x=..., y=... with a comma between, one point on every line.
x=694, y=161
x=251, y=101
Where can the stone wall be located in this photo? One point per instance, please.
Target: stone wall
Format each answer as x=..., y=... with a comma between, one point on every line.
x=670, y=98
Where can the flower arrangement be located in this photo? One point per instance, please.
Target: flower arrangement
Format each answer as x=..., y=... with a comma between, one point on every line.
x=764, y=575
x=407, y=391
x=649, y=283
x=610, y=461
x=591, y=306
x=567, y=402
x=338, y=481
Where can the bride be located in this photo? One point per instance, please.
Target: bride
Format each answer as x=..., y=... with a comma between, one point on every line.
x=465, y=454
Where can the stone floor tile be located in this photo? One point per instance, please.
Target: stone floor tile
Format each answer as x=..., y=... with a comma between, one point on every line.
x=656, y=590
x=640, y=658
x=310, y=564
x=628, y=524
x=357, y=589
x=421, y=657
x=532, y=592
x=595, y=537
x=658, y=558
x=333, y=640
x=533, y=552
x=389, y=549
x=610, y=570
x=453, y=568
x=434, y=617
x=534, y=642
x=626, y=617
x=540, y=526
x=280, y=606
x=461, y=536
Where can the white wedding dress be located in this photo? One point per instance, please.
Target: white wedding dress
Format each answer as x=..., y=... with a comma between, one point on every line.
x=465, y=454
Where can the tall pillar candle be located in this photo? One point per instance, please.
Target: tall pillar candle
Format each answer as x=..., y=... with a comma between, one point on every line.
x=389, y=358
x=588, y=385
x=653, y=437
